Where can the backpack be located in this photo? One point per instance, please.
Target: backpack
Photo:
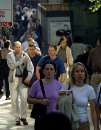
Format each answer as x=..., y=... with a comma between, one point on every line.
x=67, y=107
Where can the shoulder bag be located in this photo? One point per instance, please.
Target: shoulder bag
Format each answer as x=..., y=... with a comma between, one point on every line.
x=39, y=110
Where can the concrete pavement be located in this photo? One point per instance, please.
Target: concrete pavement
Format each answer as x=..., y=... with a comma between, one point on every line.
x=7, y=120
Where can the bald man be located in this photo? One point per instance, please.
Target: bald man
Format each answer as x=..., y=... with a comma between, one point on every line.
x=17, y=61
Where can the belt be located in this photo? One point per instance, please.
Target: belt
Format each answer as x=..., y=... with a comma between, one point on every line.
x=19, y=76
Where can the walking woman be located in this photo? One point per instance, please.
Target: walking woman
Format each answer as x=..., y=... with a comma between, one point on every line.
x=51, y=88
x=83, y=94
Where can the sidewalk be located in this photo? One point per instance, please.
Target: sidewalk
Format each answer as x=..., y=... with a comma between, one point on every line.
x=6, y=118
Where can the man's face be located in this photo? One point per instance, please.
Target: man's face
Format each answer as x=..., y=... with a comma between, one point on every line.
x=32, y=51
x=51, y=51
x=17, y=48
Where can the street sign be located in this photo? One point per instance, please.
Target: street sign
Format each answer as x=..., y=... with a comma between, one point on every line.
x=6, y=13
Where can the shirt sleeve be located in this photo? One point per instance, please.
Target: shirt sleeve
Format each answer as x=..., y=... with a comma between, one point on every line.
x=42, y=60
x=61, y=66
x=92, y=94
x=61, y=86
x=33, y=89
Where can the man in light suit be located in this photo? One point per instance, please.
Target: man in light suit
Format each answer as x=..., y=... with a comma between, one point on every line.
x=17, y=61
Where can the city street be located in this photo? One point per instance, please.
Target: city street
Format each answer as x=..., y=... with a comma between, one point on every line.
x=6, y=119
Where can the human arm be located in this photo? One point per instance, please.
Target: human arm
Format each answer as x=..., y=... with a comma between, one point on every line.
x=39, y=66
x=32, y=100
x=92, y=102
x=30, y=69
x=69, y=57
x=94, y=115
x=62, y=77
x=35, y=94
x=38, y=72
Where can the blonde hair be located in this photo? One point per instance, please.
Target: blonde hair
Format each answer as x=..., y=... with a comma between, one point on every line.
x=73, y=70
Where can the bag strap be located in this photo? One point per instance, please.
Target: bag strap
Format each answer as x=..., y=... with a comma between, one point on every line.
x=69, y=86
x=42, y=88
x=99, y=95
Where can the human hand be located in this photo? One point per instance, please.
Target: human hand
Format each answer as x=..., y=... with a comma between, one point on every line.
x=27, y=81
x=45, y=101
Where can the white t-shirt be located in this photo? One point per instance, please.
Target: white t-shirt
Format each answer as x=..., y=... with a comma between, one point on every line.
x=82, y=95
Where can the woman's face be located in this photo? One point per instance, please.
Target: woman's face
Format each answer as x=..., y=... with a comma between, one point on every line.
x=63, y=44
x=79, y=74
x=49, y=71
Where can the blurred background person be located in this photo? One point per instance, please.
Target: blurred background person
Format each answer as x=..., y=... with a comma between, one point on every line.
x=5, y=68
x=94, y=63
x=60, y=68
x=64, y=52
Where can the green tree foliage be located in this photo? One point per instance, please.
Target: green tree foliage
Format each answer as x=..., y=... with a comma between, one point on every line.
x=95, y=5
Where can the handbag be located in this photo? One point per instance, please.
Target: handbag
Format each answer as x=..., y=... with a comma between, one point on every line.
x=39, y=110
x=24, y=76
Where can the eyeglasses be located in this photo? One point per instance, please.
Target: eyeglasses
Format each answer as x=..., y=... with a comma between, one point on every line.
x=31, y=45
x=49, y=68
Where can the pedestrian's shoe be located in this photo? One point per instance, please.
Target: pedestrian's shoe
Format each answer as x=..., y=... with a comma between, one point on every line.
x=7, y=98
x=24, y=121
x=18, y=122
x=1, y=93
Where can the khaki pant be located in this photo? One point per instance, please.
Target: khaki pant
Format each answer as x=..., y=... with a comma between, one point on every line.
x=84, y=126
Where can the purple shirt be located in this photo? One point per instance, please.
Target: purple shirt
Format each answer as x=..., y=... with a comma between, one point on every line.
x=51, y=91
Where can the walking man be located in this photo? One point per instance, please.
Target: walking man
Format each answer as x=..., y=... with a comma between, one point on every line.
x=17, y=61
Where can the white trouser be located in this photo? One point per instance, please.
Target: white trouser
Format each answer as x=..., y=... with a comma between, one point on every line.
x=18, y=98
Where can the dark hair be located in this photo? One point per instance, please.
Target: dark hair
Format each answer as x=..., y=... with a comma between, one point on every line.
x=53, y=121
x=7, y=43
x=62, y=39
x=48, y=61
x=73, y=69
x=53, y=46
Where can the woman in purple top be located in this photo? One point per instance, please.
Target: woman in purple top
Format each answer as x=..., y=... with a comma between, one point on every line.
x=51, y=87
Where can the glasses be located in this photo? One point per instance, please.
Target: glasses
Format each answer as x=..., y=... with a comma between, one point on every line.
x=49, y=68
x=31, y=45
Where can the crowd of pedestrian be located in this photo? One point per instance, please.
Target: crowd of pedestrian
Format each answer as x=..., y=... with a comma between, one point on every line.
x=51, y=70
x=24, y=68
